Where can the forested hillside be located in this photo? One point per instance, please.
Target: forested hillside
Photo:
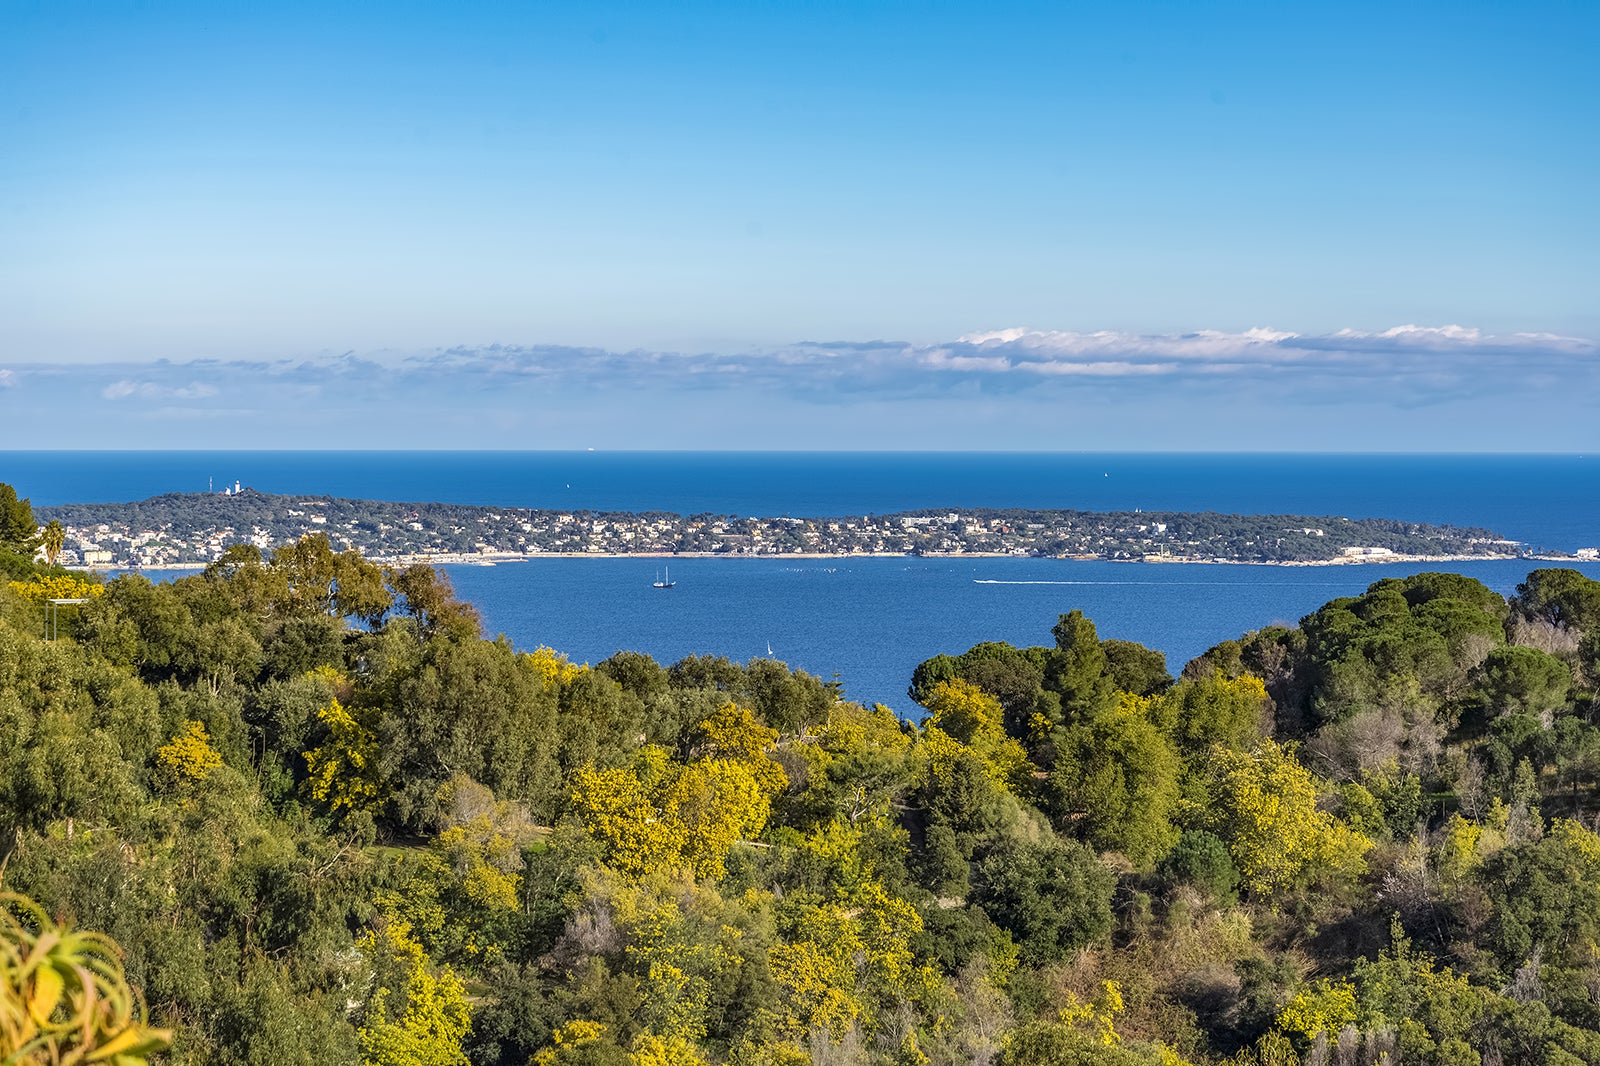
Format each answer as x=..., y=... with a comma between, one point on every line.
x=329, y=822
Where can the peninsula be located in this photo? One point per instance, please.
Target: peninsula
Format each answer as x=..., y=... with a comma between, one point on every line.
x=193, y=529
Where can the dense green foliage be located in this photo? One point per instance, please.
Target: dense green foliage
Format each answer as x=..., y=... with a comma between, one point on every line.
x=19, y=533
x=329, y=822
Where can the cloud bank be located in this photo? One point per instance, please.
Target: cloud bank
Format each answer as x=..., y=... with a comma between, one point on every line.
x=1390, y=354
x=1003, y=379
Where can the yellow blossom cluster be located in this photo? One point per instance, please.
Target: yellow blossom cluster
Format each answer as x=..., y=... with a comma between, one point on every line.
x=57, y=587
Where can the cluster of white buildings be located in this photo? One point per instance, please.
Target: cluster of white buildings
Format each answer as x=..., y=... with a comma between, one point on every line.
x=104, y=545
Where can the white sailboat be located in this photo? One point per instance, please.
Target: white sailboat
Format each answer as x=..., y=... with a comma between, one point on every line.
x=664, y=583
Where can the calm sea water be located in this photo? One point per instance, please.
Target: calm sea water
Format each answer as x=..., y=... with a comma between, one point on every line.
x=1546, y=500
x=870, y=621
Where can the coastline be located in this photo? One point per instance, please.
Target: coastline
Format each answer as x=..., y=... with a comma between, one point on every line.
x=183, y=530
x=498, y=558
x=495, y=558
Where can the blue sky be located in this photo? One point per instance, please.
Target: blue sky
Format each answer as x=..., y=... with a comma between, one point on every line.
x=1129, y=225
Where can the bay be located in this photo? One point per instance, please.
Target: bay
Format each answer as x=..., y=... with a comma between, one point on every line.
x=867, y=622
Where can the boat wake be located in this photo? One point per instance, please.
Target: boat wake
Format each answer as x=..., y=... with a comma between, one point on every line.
x=994, y=581
x=1301, y=584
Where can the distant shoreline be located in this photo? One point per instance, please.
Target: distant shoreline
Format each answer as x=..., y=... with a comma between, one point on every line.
x=500, y=558
x=185, y=530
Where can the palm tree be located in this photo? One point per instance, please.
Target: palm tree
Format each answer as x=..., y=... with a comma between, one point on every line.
x=54, y=538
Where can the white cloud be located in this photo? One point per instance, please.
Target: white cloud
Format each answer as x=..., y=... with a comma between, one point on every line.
x=1409, y=363
x=1254, y=374
x=1201, y=344
x=941, y=359
x=1208, y=348
x=1002, y=336
x=1101, y=369
x=1431, y=336
x=1555, y=342
x=149, y=390
x=1457, y=334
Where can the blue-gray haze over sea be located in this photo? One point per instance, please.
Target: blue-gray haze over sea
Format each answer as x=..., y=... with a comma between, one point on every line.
x=870, y=621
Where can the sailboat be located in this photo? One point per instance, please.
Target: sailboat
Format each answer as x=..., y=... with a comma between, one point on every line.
x=665, y=583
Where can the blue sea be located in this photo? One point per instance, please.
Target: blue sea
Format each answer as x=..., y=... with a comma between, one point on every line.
x=868, y=622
